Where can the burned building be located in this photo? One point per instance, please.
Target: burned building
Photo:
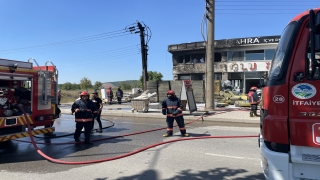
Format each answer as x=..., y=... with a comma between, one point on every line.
x=242, y=61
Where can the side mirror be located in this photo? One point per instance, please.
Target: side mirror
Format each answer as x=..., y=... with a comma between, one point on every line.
x=298, y=77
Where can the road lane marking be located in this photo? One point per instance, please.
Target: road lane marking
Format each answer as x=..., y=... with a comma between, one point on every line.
x=234, y=157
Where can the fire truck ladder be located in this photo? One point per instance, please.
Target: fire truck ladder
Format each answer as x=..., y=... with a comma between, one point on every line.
x=54, y=98
x=42, y=74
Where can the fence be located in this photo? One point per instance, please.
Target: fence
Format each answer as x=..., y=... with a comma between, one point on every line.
x=161, y=88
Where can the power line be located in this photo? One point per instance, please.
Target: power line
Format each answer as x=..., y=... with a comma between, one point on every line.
x=108, y=35
x=97, y=56
x=106, y=52
x=268, y=5
x=269, y=1
x=97, y=60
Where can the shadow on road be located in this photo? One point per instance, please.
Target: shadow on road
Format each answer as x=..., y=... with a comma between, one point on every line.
x=216, y=174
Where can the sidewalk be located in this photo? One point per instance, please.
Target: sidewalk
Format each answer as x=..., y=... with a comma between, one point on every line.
x=230, y=115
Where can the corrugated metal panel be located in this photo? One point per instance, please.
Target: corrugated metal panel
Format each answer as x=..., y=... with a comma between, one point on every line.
x=163, y=87
x=198, y=90
x=176, y=86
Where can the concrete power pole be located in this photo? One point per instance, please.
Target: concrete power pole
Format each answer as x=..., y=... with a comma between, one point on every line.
x=144, y=57
x=210, y=57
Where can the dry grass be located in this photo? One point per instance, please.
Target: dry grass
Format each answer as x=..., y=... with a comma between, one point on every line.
x=69, y=96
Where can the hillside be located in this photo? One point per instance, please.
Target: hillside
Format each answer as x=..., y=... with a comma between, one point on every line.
x=117, y=83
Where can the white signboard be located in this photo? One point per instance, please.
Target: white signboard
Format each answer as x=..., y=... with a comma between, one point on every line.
x=242, y=66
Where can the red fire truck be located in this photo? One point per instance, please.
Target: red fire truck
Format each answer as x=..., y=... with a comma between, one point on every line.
x=31, y=90
x=290, y=109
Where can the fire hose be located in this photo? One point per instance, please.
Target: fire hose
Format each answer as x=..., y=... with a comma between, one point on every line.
x=123, y=155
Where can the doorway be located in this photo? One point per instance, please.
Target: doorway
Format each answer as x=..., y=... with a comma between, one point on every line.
x=250, y=83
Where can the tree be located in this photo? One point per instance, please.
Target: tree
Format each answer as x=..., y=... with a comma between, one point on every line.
x=97, y=85
x=67, y=86
x=75, y=86
x=152, y=76
x=85, y=83
x=60, y=86
x=125, y=86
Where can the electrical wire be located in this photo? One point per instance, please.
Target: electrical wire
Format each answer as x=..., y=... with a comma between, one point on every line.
x=73, y=41
x=104, y=52
x=110, y=58
x=240, y=1
x=204, y=20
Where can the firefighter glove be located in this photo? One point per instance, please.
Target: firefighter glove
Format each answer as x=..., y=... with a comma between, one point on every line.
x=164, y=112
x=175, y=113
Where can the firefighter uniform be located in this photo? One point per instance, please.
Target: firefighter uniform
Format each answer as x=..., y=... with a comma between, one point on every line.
x=98, y=103
x=83, y=109
x=119, y=95
x=254, y=101
x=172, y=107
x=110, y=95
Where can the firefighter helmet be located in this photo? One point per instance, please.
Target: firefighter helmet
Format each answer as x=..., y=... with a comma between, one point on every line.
x=253, y=88
x=84, y=93
x=171, y=92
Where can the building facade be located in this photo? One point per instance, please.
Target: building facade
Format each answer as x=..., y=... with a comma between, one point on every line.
x=242, y=61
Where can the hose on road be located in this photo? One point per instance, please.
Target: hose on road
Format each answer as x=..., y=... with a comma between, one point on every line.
x=123, y=155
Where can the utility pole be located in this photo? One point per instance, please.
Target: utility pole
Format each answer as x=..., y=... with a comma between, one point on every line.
x=210, y=5
x=144, y=57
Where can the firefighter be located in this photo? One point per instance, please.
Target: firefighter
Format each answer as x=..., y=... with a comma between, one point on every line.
x=254, y=101
x=59, y=97
x=110, y=95
x=98, y=103
x=139, y=91
x=172, y=107
x=119, y=95
x=84, y=110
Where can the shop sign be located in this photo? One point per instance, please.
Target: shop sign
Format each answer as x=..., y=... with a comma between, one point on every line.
x=247, y=66
x=258, y=40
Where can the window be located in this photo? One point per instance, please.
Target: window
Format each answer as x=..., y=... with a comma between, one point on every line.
x=197, y=57
x=235, y=55
x=181, y=58
x=255, y=55
x=184, y=77
x=269, y=53
x=217, y=57
x=277, y=68
x=187, y=59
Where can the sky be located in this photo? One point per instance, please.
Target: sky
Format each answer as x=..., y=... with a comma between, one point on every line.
x=89, y=38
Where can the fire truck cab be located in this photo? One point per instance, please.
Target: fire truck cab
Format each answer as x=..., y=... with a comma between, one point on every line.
x=290, y=110
x=28, y=95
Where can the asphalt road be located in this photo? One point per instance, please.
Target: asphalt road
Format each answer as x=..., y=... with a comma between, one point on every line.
x=195, y=159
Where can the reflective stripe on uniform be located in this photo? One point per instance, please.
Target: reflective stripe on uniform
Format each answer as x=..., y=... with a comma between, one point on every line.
x=169, y=129
x=172, y=106
x=83, y=119
x=170, y=115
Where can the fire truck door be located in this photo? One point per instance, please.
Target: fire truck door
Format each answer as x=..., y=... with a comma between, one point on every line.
x=304, y=96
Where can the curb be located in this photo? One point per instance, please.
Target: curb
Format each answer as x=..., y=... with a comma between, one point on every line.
x=116, y=113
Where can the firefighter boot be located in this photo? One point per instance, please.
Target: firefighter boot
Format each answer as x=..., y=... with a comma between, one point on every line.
x=169, y=133
x=99, y=130
x=183, y=133
x=255, y=113
x=251, y=113
x=50, y=134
